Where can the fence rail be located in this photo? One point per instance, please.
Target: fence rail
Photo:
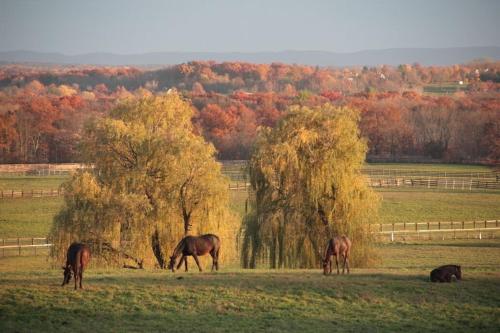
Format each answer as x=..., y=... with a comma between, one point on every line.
x=436, y=230
x=31, y=193
x=15, y=246
x=383, y=232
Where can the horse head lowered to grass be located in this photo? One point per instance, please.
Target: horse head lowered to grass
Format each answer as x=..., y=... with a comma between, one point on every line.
x=337, y=246
x=196, y=246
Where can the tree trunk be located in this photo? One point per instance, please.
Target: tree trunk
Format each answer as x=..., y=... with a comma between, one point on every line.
x=156, y=246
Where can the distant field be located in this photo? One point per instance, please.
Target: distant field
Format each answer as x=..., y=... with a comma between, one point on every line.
x=429, y=167
x=30, y=217
x=28, y=183
x=27, y=217
x=394, y=296
x=235, y=170
x=428, y=206
x=444, y=88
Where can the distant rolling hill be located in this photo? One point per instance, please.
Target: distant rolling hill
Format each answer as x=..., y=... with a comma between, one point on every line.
x=424, y=56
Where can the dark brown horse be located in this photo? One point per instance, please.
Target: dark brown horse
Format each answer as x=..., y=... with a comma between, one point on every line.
x=337, y=246
x=196, y=246
x=77, y=258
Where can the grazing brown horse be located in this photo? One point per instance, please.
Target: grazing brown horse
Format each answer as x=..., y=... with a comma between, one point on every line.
x=337, y=246
x=77, y=258
x=196, y=246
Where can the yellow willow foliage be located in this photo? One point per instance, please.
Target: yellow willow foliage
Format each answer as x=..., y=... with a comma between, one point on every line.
x=153, y=182
x=308, y=187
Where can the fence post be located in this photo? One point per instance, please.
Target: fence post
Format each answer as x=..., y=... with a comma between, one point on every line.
x=19, y=245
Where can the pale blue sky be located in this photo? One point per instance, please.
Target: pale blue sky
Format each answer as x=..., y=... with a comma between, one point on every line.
x=73, y=27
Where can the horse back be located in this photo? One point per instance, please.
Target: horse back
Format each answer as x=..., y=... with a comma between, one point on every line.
x=341, y=245
x=200, y=245
x=78, y=255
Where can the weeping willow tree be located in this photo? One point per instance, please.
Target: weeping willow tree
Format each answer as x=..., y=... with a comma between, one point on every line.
x=307, y=186
x=153, y=181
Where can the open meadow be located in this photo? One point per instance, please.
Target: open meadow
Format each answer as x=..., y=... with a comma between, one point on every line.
x=32, y=217
x=395, y=295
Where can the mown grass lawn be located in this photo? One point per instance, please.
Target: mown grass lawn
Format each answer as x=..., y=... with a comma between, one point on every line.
x=428, y=206
x=28, y=217
x=394, y=297
x=32, y=217
x=429, y=167
x=28, y=183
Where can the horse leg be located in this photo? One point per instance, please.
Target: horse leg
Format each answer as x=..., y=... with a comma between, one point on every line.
x=337, y=263
x=197, y=262
x=186, y=263
x=347, y=263
x=81, y=277
x=212, y=254
x=345, y=258
x=76, y=273
x=217, y=260
x=180, y=262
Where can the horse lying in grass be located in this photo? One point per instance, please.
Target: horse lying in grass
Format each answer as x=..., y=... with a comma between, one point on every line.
x=77, y=258
x=444, y=273
x=337, y=246
x=196, y=246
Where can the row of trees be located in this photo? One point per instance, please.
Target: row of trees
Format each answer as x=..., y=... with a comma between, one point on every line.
x=308, y=187
x=44, y=123
x=228, y=77
x=155, y=180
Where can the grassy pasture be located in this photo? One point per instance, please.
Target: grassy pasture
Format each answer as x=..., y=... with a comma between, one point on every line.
x=400, y=205
x=28, y=183
x=444, y=88
x=428, y=167
x=28, y=217
x=395, y=296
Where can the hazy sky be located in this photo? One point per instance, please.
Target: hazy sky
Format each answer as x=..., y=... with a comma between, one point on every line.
x=72, y=26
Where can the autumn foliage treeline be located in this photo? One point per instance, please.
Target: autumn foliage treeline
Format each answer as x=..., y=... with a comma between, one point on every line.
x=43, y=109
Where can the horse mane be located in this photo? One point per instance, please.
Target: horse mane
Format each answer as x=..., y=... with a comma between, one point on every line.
x=330, y=245
x=178, y=248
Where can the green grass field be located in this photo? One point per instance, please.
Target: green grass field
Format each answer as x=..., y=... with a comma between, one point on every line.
x=27, y=217
x=428, y=167
x=399, y=205
x=393, y=297
x=32, y=217
x=28, y=183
